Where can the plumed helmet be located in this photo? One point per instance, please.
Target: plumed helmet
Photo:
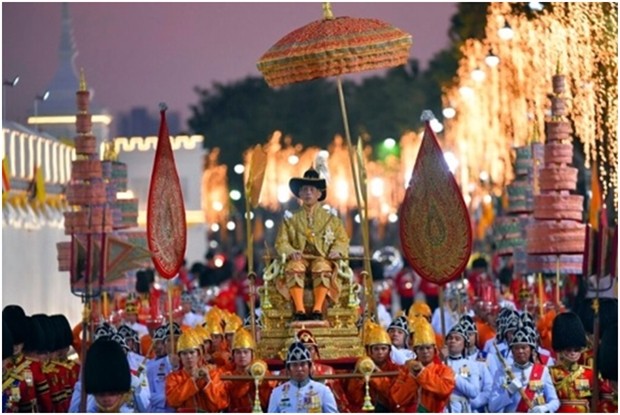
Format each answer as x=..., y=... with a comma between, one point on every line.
x=232, y=323
x=311, y=178
x=511, y=323
x=188, y=341
x=298, y=352
x=400, y=323
x=176, y=330
x=160, y=334
x=468, y=324
x=7, y=341
x=242, y=339
x=523, y=336
x=247, y=323
x=127, y=332
x=377, y=335
x=120, y=340
x=186, y=297
x=459, y=330
x=104, y=329
x=567, y=332
x=423, y=333
x=14, y=317
x=420, y=308
x=527, y=317
x=533, y=333
x=106, y=369
x=608, y=353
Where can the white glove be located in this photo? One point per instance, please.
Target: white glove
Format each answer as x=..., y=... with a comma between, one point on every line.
x=135, y=382
x=539, y=409
x=514, y=386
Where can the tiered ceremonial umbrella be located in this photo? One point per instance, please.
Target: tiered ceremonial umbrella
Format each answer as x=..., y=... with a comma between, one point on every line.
x=334, y=46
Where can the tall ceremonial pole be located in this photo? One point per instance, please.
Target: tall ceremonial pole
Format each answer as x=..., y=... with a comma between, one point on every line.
x=165, y=216
x=253, y=187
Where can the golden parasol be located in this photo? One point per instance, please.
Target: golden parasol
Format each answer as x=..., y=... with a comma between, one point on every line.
x=334, y=46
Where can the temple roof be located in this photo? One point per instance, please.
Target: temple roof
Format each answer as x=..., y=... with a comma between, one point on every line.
x=65, y=82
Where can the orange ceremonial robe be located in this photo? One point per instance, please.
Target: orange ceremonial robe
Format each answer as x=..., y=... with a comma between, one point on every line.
x=237, y=396
x=380, y=389
x=334, y=384
x=428, y=392
x=186, y=395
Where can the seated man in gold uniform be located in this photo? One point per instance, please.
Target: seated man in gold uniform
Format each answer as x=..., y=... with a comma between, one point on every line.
x=311, y=240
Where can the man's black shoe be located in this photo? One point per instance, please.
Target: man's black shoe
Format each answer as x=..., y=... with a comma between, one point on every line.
x=299, y=316
x=317, y=316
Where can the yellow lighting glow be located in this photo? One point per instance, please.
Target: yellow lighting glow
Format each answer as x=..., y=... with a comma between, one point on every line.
x=66, y=119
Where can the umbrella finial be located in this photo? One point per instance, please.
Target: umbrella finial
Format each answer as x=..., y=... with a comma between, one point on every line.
x=327, y=11
x=427, y=115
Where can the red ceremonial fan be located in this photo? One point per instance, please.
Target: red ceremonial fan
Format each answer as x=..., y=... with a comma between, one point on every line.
x=435, y=230
x=165, y=216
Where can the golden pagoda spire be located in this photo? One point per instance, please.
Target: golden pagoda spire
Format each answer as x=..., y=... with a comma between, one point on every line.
x=82, y=80
x=327, y=11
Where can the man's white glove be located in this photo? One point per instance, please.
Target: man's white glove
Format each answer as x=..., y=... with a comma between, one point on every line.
x=514, y=386
x=135, y=382
x=539, y=409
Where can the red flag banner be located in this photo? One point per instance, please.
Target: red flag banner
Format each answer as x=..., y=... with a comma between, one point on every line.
x=435, y=229
x=165, y=216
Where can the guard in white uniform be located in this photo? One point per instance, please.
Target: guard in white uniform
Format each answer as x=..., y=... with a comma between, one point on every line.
x=398, y=330
x=474, y=355
x=190, y=318
x=107, y=378
x=158, y=368
x=467, y=373
x=525, y=386
x=301, y=394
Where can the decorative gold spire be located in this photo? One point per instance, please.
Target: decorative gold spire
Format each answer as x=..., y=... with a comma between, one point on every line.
x=558, y=67
x=110, y=153
x=82, y=80
x=327, y=11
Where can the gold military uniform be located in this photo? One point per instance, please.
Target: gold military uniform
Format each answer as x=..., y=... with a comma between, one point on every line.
x=312, y=231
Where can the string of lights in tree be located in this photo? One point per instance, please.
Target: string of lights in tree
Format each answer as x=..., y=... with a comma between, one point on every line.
x=504, y=103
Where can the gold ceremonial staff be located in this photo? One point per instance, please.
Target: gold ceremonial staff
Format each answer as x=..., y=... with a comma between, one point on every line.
x=253, y=187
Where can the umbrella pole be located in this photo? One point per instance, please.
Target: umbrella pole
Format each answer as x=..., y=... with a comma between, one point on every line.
x=361, y=204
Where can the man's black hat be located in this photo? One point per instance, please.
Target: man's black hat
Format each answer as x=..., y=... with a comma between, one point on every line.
x=106, y=369
x=311, y=178
x=567, y=332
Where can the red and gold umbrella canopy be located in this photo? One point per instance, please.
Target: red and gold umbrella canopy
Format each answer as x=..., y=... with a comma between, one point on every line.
x=334, y=46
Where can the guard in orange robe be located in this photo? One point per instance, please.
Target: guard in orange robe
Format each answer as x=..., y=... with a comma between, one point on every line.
x=305, y=336
x=186, y=388
x=378, y=345
x=421, y=309
x=573, y=382
x=239, y=395
x=427, y=384
x=220, y=354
